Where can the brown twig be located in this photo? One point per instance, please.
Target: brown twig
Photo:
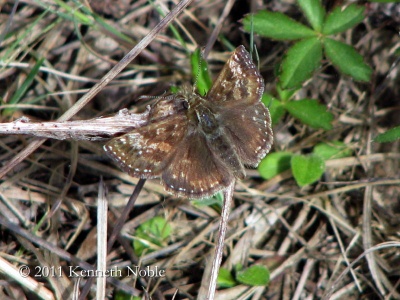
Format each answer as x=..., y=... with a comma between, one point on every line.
x=91, y=130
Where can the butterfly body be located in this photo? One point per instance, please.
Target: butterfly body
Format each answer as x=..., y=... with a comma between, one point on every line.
x=216, y=138
x=196, y=144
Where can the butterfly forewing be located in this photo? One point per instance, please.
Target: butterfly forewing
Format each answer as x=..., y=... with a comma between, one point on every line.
x=145, y=152
x=195, y=171
x=239, y=81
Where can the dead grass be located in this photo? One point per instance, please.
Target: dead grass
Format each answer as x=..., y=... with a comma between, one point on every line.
x=309, y=238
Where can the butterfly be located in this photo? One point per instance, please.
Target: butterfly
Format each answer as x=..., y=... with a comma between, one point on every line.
x=198, y=145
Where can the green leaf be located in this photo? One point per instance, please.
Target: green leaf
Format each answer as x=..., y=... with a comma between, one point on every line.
x=301, y=60
x=151, y=233
x=276, y=26
x=389, y=136
x=341, y=19
x=310, y=112
x=112, y=28
x=26, y=84
x=72, y=11
x=274, y=164
x=254, y=276
x=20, y=92
x=200, y=73
x=307, y=169
x=174, y=89
x=334, y=149
x=120, y=295
x=217, y=199
x=175, y=31
x=225, y=279
x=276, y=109
x=285, y=95
x=314, y=12
x=347, y=60
x=238, y=267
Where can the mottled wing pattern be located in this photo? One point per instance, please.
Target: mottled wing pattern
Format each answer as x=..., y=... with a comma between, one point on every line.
x=249, y=129
x=239, y=81
x=146, y=151
x=194, y=171
x=238, y=91
x=166, y=107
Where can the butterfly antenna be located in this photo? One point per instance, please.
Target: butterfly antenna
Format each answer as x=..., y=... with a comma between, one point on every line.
x=158, y=98
x=146, y=97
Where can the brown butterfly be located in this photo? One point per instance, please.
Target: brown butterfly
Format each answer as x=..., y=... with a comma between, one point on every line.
x=198, y=145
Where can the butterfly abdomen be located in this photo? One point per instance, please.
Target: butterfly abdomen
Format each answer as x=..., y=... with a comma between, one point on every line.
x=218, y=141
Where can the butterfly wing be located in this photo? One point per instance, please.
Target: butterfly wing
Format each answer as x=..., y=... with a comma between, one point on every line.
x=249, y=129
x=238, y=91
x=194, y=171
x=144, y=152
x=239, y=82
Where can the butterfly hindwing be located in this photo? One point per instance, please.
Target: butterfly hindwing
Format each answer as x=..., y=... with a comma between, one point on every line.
x=194, y=170
x=254, y=139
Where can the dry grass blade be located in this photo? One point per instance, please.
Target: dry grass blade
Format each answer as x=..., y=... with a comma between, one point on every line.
x=210, y=280
x=21, y=275
x=102, y=208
